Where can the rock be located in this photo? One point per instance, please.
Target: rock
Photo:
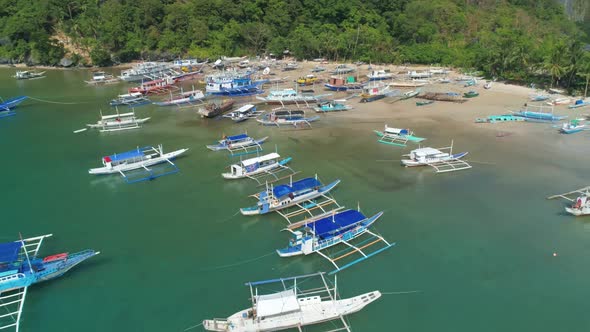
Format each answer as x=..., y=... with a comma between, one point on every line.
x=66, y=62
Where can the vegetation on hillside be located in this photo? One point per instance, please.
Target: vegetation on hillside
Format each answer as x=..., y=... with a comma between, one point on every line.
x=510, y=39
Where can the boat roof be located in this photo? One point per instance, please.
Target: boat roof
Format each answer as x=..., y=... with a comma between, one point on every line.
x=9, y=251
x=289, y=112
x=426, y=151
x=244, y=108
x=237, y=137
x=284, y=189
x=125, y=155
x=338, y=221
x=253, y=161
x=392, y=130
x=277, y=303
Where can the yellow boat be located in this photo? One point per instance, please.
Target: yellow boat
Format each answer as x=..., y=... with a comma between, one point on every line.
x=307, y=80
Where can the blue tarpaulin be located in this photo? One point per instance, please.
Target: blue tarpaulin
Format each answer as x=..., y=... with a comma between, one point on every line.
x=9, y=251
x=303, y=184
x=126, y=155
x=237, y=137
x=338, y=221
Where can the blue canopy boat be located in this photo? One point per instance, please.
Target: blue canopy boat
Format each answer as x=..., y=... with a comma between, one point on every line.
x=242, y=143
x=233, y=85
x=280, y=197
x=539, y=116
x=20, y=267
x=314, y=236
x=7, y=106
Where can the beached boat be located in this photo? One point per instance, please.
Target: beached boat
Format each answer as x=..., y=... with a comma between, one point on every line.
x=579, y=199
x=419, y=74
x=539, y=116
x=7, y=106
x=185, y=97
x=280, y=197
x=488, y=85
x=579, y=103
x=441, y=161
x=290, y=66
x=27, y=75
x=410, y=94
x=397, y=136
x=407, y=84
x=318, y=69
x=303, y=300
x=249, y=168
x=241, y=143
x=559, y=101
x=471, y=94
x=243, y=113
x=139, y=160
x=341, y=84
x=233, y=84
x=336, y=228
x=307, y=80
x=424, y=103
x=119, y=121
x=21, y=267
x=572, y=127
x=154, y=87
x=212, y=110
x=101, y=78
x=539, y=97
x=188, y=64
x=342, y=69
x=289, y=96
x=374, y=92
x=145, y=70
x=130, y=99
x=331, y=106
x=377, y=75
x=287, y=117
x=500, y=118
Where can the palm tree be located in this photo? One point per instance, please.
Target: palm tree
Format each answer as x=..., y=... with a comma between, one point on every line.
x=555, y=63
x=584, y=71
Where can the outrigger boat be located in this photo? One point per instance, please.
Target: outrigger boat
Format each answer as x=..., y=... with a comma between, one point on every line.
x=289, y=96
x=258, y=168
x=377, y=75
x=188, y=97
x=572, y=127
x=408, y=84
x=243, y=113
x=579, y=103
x=27, y=75
x=331, y=106
x=319, y=234
x=130, y=99
x=139, y=159
x=241, y=143
x=375, y=92
x=212, y=110
x=580, y=200
x=539, y=97
x=342, y=69
x=283, y=117
x=101, y=77
x=161, y=85
x=119, y=121
x=341, y=84
x=20, y=267
x=280, y=197
x=300, y=301
x=441, y=161
x=145, y=70
x=424, y=103
x=539, y=116
x=397, y=136
x=559, y=101
x=7, y=106
x=500, y=118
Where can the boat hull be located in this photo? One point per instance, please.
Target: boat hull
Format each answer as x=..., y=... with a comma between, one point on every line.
x=144, y=163
x=414, y=163
x=584, y=211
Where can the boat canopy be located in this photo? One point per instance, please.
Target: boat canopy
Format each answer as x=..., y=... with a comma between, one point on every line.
x=289, y=112
x=397, y=131
x=9, y=251
x=307, y=183
x=335, y=222
x=267, y=157
x=125, y=155
x=423, y=152
x=244, y=109
x=276, y=304
x=237, y=137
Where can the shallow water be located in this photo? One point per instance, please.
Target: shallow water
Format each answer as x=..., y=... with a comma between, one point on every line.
x=477, y=244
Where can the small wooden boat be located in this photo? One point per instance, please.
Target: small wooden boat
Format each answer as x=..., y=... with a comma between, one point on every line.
x=118, y=121
x=572, y=127
x=408, y=84
x=140, y=159
x=331, y=106
x=27, y=75
x=22, y=267
x=471, y=94
x=154, y=87
x=410, y=94
x=397, y=136
x=441, y=161
x=307, y=80
x=212, y=110
x=303, y=300
x=241, y=143
x=318, y=69
x=424, y=103
x=284, y=117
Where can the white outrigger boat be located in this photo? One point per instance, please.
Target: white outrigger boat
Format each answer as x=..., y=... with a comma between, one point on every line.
x=302, y=193
x=130, y=99
x=441, y=161
x=117, y=122
x=259, y=167
x=139, y=159
x=281, y=117
x=397, y=136
x=579, y=198
x=101, y=77
x=27, y=75
x=301, y=301
x=243, y=113
x=184, y=97
x=241, y=143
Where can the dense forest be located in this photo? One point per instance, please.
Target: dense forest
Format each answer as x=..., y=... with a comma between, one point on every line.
x=509, y=39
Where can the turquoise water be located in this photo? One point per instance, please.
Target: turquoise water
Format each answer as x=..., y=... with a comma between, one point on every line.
x=477, y=244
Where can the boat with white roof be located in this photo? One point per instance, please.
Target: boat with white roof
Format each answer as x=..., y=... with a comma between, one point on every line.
x=119, y=121
x=259, y=167
x=438, y=159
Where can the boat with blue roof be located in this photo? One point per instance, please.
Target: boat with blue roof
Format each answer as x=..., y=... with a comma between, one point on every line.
x=242, y=142
x=318, y=234
x=20, y=267
x=7, y=106
x=282, y=196
x=397, y=136
x=139, y=159
x=233, y=84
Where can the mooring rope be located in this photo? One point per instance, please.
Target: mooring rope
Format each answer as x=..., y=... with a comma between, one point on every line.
x=398, y=293
x=192, y=327
x=238, y=263
x=57, y=102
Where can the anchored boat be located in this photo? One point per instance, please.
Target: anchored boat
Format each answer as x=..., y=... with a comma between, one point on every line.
x=117, y=122
x=286, y=117
x=579, y=103
x=144, y=70
x=243, y=113
x=441, y=161
x=377, y=75
x=130, y=99
x=331, y=106
x=102, y=78
x=572, y=127
x=20, y=267
x=185, y=97
x=161, y=85
x=242, y=143
x=397, y=136
x=289, y=96
x=7, y=106
x=579, y=199
x=139, y=159
x=302, y=301
x=27, y=75
x=259, y=167
x=280, y=197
